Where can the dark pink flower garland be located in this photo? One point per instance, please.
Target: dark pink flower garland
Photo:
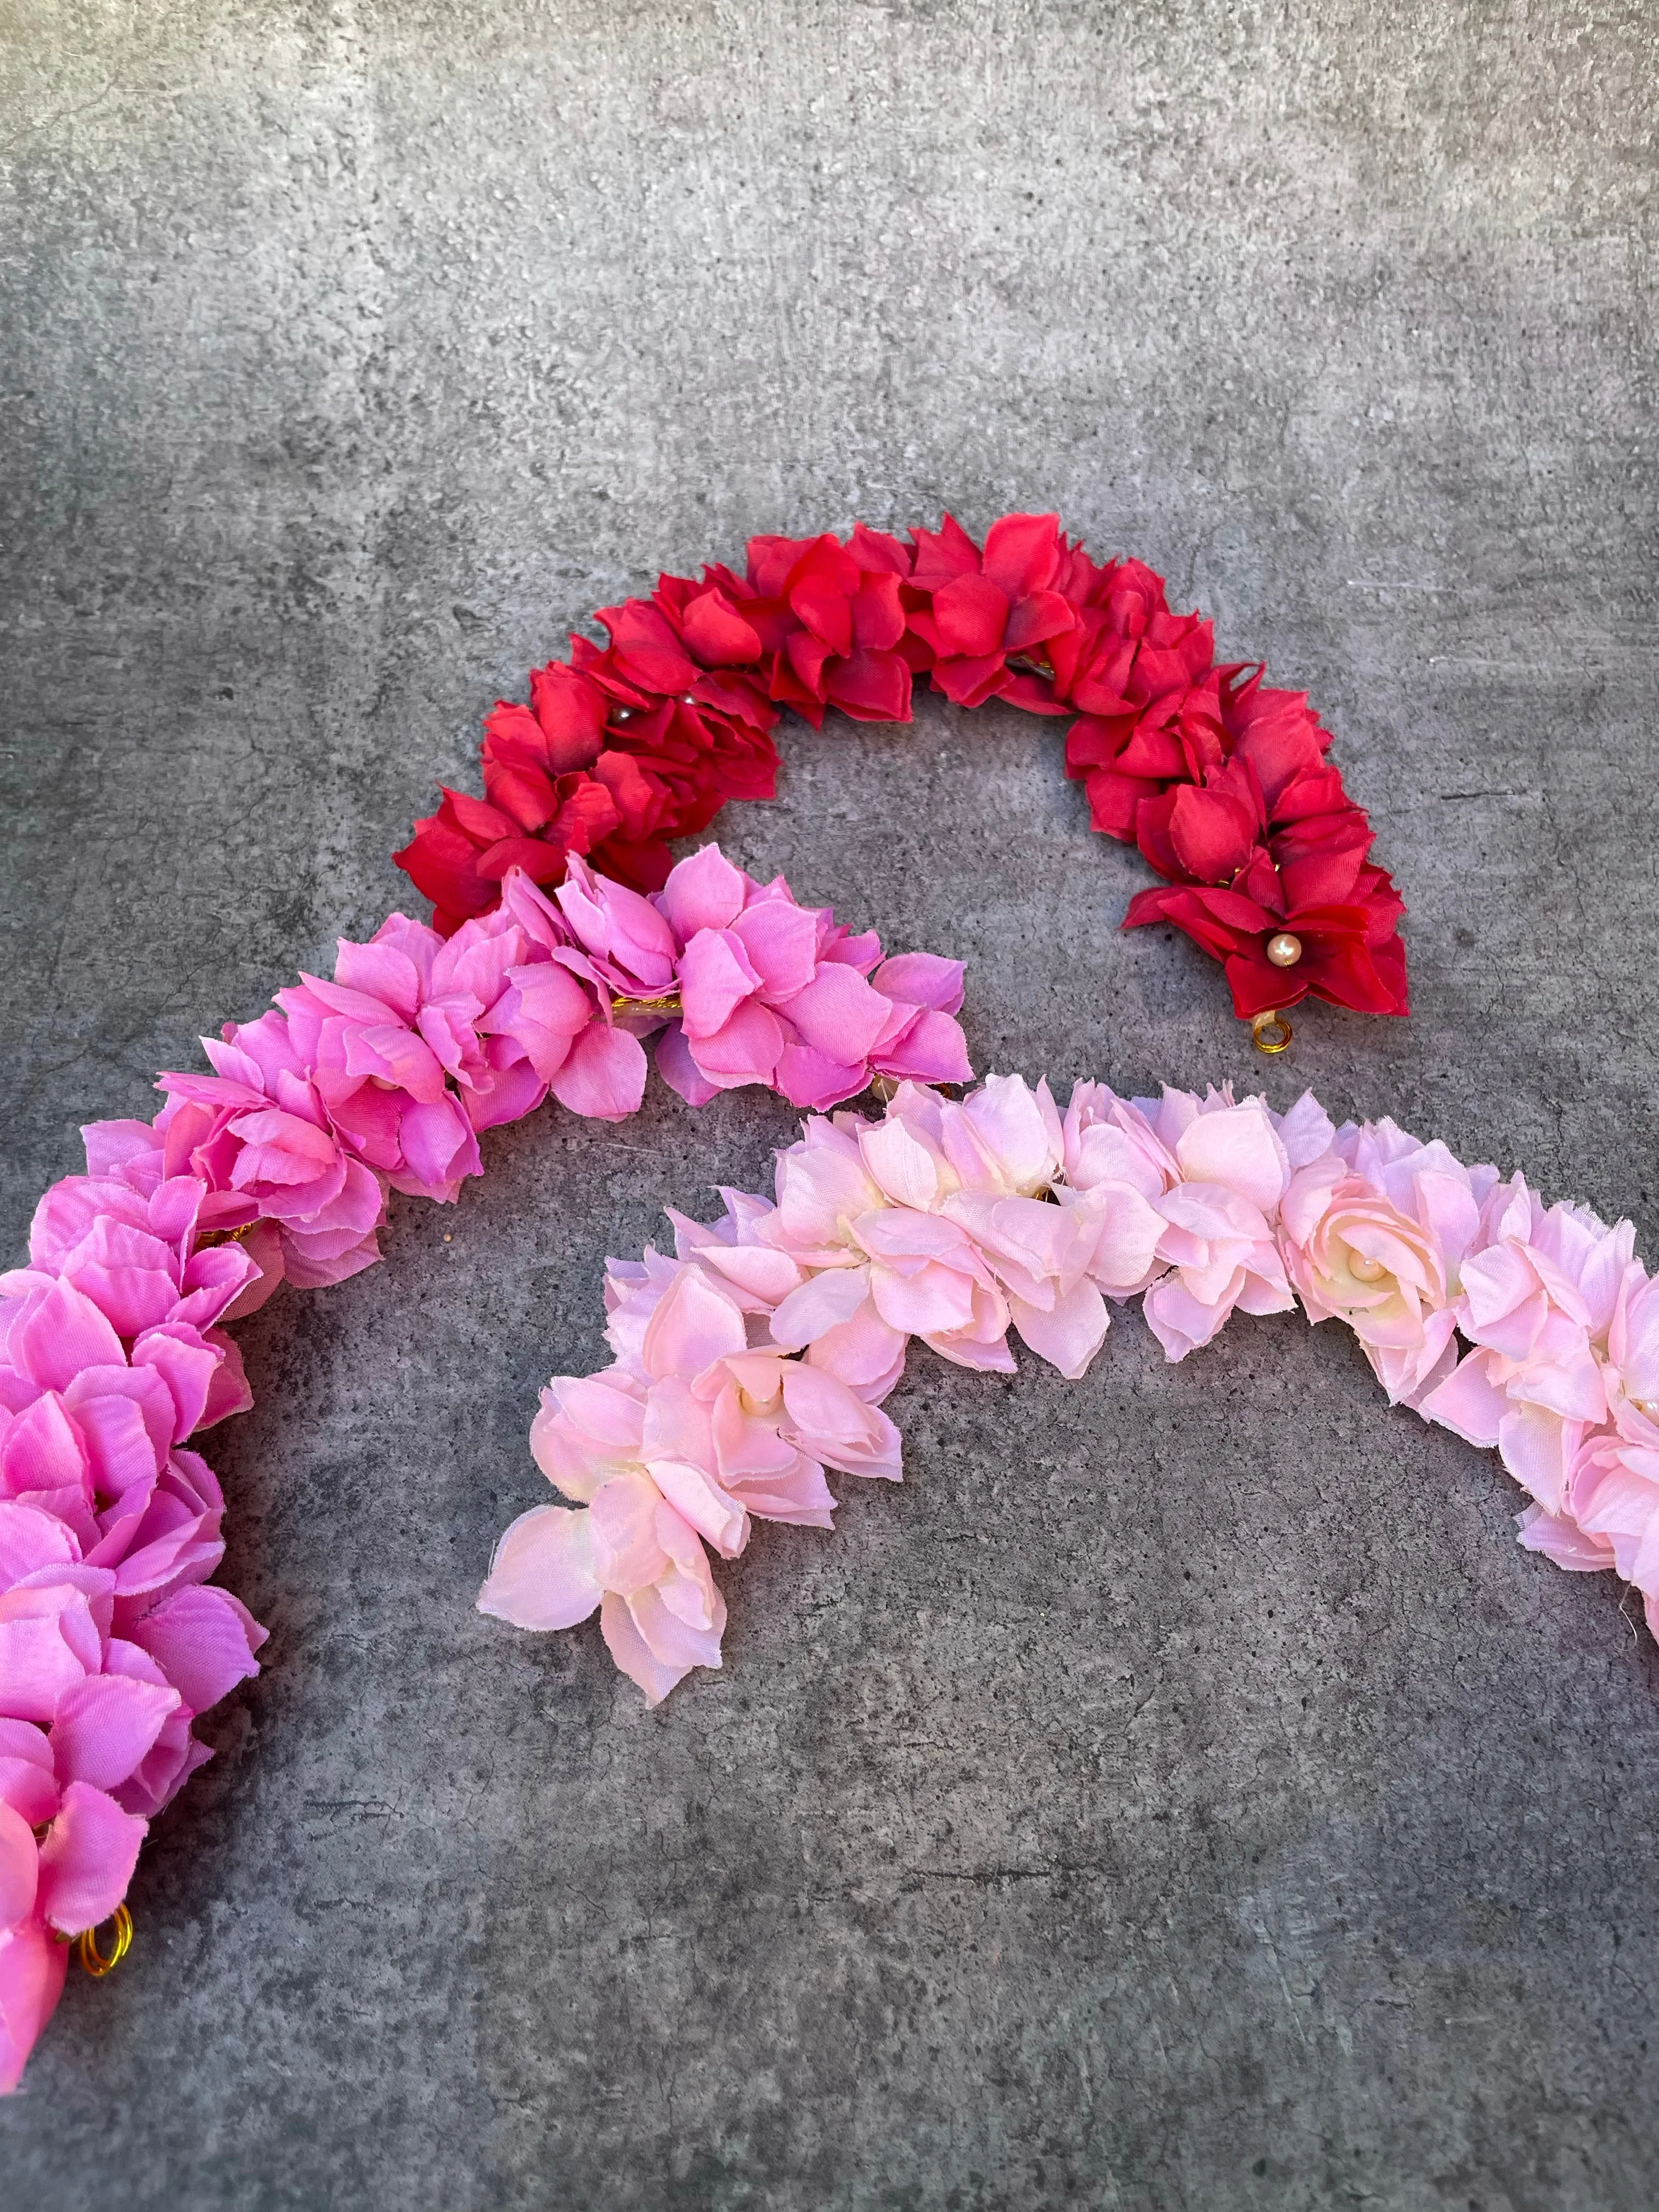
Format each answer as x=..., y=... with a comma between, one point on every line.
x=276, y=1167
x=1224, y=784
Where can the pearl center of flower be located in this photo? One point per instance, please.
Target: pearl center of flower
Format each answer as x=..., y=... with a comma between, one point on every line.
x=1363, y=1270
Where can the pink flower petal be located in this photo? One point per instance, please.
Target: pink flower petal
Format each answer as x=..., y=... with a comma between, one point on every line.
x=824, y=1302
x=703, y=892
x=1069, y=1334
x=781, y=942
x=1239, y=1149
x=694, y=1325
x=679, y=1071
x=716, y=976
x=203, y=1641
x=30, y=1538
x=64, y=1332
x=104, y=1726
x=923, y=979
x=541, y=1576
x=32, y=1970
x=628, y=1648
x=604, y=1077
x=88, y=1858
x=19, y=1859
x=1563, y=1540
x=838, y=1014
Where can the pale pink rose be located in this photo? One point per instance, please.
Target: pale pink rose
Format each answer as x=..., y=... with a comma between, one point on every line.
x=921, y=1272
x=992, y=1166
x=1106, y=1140
x=1539, y=1290
x=1611, y=1501
x=1374, y=1232
x=1632, y=1363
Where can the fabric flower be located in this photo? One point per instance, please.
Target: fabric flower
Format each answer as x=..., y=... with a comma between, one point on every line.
x=109, y=1641
x=983, y=606
x=1374, y=1231
x=616, y=753
x=776, y=993
x=1542, y=1291
x=256, y=1135
x=690, y=1435
x=824, y=622
x=1223, y=780
x=1214, y=1170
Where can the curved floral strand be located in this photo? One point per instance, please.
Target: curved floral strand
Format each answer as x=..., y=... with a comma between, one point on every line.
x=1224, y=784
x=758, y=1356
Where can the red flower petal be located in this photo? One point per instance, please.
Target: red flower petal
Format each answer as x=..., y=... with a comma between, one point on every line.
x=1212, y=832
x=716, y=632
x=524, y=795
x=877, y=553
x=971, y=683
x=944, y=555
x=475, y=819
x=807, y=655
x=1043, y=616
x=569, y=710
x=970, y=617
x=543, y=860
x=824, y=610
x=870, y=687
x=1021, y=554
x=878, y=613
x=1114, y=800
x=646, y=648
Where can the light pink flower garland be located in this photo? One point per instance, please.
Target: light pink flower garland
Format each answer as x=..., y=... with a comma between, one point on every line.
x=276, y=1167
x=759, y=1355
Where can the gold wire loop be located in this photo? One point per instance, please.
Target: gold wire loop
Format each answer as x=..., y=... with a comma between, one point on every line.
x=668, y=1005
x=1271, y=1032
x=96, y=1962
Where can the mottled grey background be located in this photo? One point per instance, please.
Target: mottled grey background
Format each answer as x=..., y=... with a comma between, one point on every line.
x=1182, y=1794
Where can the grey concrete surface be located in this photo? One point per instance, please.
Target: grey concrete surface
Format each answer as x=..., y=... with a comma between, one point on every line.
x=1182, y=1794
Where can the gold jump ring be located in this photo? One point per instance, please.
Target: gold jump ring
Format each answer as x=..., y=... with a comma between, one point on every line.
x=95, y=1962
x=1270, y=1032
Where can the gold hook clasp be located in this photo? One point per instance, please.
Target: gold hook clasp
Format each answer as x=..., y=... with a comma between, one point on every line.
x=96, y=1962
x=1271, y=1032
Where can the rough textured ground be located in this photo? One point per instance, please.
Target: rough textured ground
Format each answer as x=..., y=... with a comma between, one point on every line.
x=1182, y=1794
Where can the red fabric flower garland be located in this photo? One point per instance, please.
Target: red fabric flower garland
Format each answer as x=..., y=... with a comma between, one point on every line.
x=1222, y=783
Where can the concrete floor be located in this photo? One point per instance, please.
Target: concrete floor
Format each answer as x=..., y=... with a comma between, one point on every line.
x=1182, y=1794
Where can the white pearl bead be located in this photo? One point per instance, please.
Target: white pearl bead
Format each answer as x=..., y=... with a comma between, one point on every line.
x=1284, y=951
x=1363, y=1270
